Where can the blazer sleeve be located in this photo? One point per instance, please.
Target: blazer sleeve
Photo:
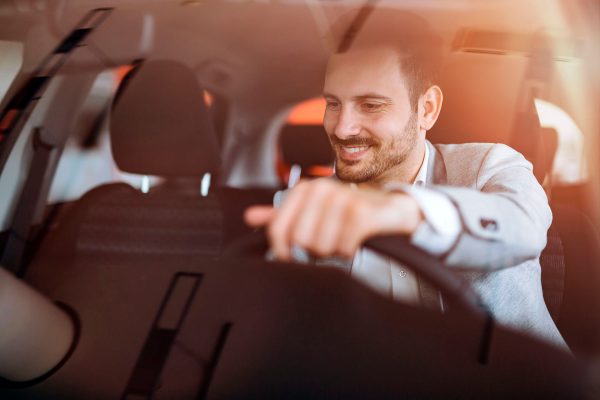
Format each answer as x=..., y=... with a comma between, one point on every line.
x=505, y=219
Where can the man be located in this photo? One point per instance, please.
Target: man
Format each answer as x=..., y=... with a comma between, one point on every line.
x=476, y=206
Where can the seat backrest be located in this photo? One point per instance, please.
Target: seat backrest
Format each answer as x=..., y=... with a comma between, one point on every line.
x=484, y=102
x=307, y=148
x=552, y=261
x=160, y=125
x=578, y=314
x=305, y=145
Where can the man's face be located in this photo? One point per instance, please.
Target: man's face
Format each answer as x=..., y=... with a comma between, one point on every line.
x=368, y=118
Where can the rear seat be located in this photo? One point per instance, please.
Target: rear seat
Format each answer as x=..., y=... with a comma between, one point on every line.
x=307, y=148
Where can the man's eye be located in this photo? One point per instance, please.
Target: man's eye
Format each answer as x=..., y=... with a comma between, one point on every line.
x=333, y=105
x=370, y=107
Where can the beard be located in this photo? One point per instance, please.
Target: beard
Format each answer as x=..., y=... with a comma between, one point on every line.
x=383, y=155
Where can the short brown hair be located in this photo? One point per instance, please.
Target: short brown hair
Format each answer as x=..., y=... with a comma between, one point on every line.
x=419, y=47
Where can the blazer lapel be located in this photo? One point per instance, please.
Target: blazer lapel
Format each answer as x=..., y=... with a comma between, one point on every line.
x=430, y=297
x=436, y=167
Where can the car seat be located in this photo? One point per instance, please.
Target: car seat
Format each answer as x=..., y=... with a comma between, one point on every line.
x=479, y=107
x=159, y=125
x=573, y=247
x=305, y=150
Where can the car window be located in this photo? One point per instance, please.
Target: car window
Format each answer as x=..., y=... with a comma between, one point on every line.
x=11, y=58
x=570, y=161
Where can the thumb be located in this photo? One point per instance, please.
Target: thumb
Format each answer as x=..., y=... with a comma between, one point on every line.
x=257, y=216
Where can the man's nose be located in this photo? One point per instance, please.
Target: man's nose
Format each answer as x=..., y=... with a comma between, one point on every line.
x=347, y=124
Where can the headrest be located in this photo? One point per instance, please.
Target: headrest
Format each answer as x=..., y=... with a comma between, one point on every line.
x=482, y=97
x=160, y=124
x=305, y=145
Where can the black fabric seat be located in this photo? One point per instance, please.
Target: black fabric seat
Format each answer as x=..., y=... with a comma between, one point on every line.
x=123, y=220
x=305, y=145
x=571, y=279
x=161, y=126
x=306, y=148
x=570, y=262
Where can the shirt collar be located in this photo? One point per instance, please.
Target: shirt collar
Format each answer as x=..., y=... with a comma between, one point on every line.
x=421, y=177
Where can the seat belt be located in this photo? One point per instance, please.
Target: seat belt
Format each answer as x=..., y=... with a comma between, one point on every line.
x=13, y=119
x=24, y=214
x=527, y=138
x=526, y=135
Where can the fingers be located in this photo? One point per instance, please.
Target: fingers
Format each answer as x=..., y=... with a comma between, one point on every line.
x=328, y=234
x=257, y=216
x=309, y=217
x=280, y=229
x=313, y=217
x=351, y=239
x=328, y=218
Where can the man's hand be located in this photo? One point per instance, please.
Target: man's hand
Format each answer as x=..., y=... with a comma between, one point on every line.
x=329, y=218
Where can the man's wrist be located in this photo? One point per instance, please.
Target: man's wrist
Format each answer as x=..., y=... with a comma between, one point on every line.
x=408, y=213
x=440, y=223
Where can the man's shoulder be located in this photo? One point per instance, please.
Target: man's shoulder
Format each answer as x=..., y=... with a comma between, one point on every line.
x=463, y=162
x=463, y=148
x=478, y=150
x=475, y=153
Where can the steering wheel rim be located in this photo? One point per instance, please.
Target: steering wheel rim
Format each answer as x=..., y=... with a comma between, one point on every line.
x=456, y=290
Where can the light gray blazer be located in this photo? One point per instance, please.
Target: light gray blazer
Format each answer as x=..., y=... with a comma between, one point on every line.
x=505, y=217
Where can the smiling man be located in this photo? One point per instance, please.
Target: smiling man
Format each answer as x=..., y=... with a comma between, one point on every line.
x=476, y=206
x=367, y=101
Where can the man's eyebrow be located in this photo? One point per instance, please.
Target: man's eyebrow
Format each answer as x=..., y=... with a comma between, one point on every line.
x=373, y=96
x=367, y=96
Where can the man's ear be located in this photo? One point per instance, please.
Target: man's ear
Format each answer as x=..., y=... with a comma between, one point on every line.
x=430, y=105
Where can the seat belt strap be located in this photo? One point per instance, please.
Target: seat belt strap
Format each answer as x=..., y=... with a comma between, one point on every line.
x=13, y=120
x=26, y=208
x=526, y=135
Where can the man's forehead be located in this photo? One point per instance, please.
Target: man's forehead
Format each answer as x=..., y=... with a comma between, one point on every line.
x=362, y=71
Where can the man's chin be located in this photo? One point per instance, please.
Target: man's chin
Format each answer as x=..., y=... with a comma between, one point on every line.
x=351, y=172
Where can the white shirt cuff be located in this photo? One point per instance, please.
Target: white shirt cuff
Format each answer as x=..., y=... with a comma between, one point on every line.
x=442, y=225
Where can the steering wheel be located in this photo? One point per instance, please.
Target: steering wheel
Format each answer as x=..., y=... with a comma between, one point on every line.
x=456, y=291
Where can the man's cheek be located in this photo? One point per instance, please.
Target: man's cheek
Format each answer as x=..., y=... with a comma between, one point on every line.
x=328, y=124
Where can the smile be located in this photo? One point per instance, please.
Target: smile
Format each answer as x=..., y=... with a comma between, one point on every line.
x=353, y=152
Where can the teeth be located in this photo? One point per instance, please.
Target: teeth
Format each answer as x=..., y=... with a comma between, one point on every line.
x=355, y=149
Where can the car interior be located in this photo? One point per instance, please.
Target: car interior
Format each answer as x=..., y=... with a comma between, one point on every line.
x=134, y=135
